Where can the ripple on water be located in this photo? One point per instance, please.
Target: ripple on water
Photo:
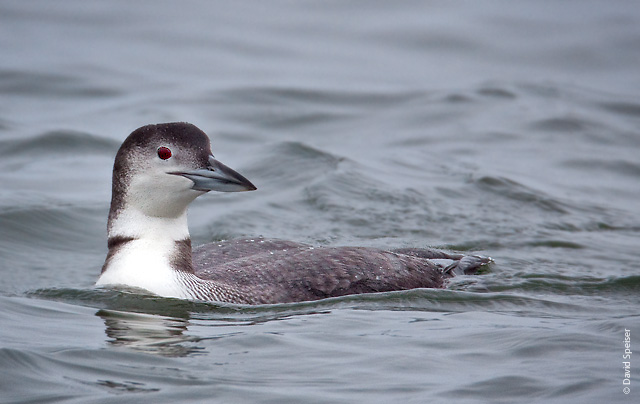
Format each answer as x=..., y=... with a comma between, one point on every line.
x=430, y=300
x=510, y=189
x=47, y=84
x=56, y=143
x=627, y=109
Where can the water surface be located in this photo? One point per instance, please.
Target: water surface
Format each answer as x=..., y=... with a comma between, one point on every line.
x=509, y=130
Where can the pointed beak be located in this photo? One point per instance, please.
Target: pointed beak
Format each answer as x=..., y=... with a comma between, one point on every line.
x=217, y=177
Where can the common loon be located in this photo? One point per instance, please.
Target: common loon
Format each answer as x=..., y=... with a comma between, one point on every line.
x=160, y=169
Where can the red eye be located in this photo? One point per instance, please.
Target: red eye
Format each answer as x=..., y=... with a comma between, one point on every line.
x=164, y=152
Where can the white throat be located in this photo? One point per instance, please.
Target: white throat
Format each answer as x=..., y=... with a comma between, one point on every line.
x=132, y=222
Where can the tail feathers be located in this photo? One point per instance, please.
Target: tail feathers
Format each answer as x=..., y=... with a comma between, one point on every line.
x=467, y=265
x=461, y=264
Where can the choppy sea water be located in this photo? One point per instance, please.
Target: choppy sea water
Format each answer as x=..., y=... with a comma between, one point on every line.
x=509, y=130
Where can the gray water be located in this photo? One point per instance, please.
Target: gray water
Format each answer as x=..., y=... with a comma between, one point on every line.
x=509, y=129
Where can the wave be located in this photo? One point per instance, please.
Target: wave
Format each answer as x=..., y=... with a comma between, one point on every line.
x=57, y=143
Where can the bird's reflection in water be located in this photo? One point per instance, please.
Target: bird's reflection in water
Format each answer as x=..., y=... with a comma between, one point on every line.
x=149, y=333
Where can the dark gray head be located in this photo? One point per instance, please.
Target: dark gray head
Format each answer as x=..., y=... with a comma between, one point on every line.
x=160, y=169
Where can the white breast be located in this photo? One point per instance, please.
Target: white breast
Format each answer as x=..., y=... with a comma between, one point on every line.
x=144, y=264
x=145, y=261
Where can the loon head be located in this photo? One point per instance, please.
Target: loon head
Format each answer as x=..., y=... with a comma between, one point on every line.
x=160, y=169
